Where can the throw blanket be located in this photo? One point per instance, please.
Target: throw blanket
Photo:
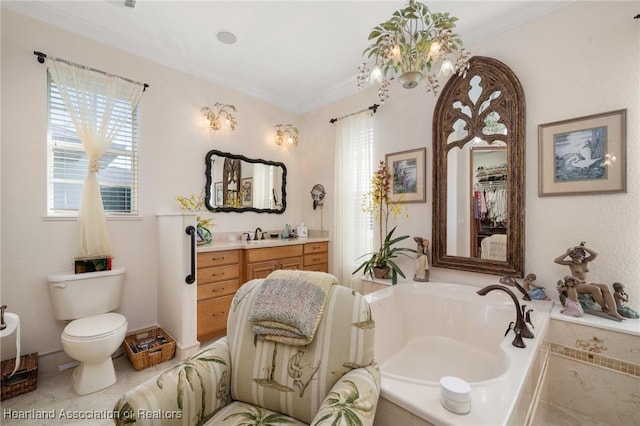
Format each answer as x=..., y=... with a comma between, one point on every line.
x=289, y=305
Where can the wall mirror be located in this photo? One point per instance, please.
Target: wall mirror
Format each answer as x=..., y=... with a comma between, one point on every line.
x=236, y=183
x=478, y=172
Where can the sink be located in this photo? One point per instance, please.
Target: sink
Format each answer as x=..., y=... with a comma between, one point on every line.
x=261, y=242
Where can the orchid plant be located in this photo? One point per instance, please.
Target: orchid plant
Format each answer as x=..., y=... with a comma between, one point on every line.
x=379, y=203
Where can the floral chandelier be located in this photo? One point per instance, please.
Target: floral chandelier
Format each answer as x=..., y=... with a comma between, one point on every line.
x=409, y=46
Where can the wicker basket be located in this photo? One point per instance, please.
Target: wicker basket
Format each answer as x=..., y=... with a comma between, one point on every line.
x=26, y=377
x=149, y=347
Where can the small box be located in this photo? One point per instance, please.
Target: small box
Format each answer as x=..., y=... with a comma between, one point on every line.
x=24, y=380
x=92, y=264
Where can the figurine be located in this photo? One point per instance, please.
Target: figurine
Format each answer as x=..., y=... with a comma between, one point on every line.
x=578, y=263
x=423, y=260
x=534, y=291
x=569, y=297
x=621, y=298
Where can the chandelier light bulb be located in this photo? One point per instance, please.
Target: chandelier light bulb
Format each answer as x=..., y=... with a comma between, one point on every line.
x=446, y=69
x=434, y=50
x=376, y=75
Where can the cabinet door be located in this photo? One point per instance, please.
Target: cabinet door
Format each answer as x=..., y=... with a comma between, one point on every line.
x=291, y=263
x=212, y=317
x=261, y=269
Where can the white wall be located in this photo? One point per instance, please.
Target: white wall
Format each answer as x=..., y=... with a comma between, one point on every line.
x=580, y=60
x=173, y=145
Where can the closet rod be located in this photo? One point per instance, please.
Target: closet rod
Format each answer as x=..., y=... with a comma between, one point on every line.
x=373, y=108
x=41, y=57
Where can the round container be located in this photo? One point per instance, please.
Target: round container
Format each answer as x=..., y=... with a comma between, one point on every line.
x=455, y=394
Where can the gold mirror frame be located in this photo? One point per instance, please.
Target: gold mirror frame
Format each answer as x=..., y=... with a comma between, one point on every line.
x=510, y=105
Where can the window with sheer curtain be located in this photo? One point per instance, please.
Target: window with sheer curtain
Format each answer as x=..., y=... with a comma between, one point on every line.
x=353, y=172
x=68, y=162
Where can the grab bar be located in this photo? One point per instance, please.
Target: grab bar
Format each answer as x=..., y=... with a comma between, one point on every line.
x=191, y=278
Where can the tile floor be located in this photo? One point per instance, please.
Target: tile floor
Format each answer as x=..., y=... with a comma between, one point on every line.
x=55, y=392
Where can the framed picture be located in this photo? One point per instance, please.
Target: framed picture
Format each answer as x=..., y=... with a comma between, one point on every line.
x=585, y=155
x=408, y=175
x=246, y=186
x=217, y=190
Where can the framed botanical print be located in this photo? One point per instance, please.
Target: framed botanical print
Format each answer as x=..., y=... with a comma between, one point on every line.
x=408, y=175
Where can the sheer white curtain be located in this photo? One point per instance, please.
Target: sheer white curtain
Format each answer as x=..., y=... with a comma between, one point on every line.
x=353, y=172
x=90, y=98
x=262, y=184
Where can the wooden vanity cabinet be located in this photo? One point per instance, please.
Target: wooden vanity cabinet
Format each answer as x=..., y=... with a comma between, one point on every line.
x=316, y=256
x=219, y=276
x=262, y=261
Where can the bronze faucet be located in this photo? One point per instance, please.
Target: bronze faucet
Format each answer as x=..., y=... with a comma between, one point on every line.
x=255, y=237
x=520, y=327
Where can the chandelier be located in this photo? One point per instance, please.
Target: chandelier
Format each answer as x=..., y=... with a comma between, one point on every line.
x=286, y=133
x=409, y=46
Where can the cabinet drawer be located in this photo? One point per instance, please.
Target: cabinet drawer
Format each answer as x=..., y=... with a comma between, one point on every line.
x=273, y=253
x=218, y=258
x=316, y=258
x=316, y=247
x=212, y=315
x=209, y=291
x=217, y=274
x=321, y=267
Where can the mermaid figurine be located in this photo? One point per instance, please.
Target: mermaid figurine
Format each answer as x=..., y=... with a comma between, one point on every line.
x=621, y=298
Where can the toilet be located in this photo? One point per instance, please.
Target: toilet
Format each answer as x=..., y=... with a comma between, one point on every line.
x=94, y=332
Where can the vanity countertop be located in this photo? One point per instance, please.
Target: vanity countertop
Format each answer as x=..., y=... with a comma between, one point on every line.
x=254, y=244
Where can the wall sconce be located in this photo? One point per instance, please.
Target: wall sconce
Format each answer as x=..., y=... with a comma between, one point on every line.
x=214, y=118
x=286, y=133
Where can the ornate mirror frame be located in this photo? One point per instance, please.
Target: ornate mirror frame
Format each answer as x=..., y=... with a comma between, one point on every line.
x=237, y=163
x=510, y=106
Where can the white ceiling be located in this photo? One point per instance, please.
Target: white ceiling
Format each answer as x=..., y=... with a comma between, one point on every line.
x=299, y=55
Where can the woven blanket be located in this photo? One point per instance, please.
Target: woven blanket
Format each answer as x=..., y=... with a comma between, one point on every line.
x=289, y=306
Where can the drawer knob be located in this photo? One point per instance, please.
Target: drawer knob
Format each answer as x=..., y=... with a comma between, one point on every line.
x=217, y=314
x=217, y=290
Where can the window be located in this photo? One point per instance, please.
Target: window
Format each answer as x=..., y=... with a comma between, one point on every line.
x=68, y=163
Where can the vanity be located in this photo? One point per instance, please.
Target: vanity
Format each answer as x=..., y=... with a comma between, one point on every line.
x=222, y=267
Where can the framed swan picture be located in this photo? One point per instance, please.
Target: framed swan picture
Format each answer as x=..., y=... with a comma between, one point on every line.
x=583, y=156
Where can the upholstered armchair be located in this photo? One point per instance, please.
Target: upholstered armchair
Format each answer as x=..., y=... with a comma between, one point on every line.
x=242, y=379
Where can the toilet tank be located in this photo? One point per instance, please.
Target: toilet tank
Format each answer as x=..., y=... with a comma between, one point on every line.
x=76, y=296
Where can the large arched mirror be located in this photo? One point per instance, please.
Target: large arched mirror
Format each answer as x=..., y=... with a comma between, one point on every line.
x=478, y=173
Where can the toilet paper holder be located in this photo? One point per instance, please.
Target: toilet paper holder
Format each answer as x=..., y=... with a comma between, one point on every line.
x=3, y=325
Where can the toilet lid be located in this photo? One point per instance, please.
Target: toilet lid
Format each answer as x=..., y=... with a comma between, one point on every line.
x=95, y=326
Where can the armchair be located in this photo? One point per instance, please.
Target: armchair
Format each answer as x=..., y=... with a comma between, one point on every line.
x=243, y=380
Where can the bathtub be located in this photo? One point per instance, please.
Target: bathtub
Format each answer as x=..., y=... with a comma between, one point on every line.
x=425, y=331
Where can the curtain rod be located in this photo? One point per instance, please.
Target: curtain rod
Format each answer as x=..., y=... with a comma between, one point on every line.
x=41, y=57
x=373, y=108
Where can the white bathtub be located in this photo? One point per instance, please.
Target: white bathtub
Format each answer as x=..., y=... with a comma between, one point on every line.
x=425, y=331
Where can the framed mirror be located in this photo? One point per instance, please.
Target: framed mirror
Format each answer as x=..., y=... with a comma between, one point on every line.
x=235, y=183
x=478, y=172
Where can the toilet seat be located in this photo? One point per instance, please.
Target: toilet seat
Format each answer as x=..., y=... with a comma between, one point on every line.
x=94, y=327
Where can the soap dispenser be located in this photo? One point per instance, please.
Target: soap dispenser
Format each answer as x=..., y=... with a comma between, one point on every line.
x=302, y=230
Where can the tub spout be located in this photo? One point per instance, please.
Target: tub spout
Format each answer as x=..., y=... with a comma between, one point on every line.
x=520, y=327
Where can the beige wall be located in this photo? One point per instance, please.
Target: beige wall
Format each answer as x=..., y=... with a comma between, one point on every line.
x=580, y=60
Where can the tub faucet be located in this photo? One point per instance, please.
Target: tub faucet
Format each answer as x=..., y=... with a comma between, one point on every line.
x=520, y=327
x=3, y=325
x=255, y=237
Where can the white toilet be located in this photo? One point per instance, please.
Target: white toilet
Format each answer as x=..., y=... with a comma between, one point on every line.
x=95, y=332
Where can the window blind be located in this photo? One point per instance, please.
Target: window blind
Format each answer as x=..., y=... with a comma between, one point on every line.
x=68, y=162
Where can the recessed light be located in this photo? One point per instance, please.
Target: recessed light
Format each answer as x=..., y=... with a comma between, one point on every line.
x=226, y=37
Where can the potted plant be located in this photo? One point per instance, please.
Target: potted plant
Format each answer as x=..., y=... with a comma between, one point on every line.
x=378, y=202
x=195, y=204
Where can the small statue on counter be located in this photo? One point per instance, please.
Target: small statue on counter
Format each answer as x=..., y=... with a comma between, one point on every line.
x=423, y=259
x=534, y=291
x=578, y=262
x=621, y=298
x=569, y=297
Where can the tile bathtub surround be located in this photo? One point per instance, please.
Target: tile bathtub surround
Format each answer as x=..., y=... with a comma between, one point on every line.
x=596, y=359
